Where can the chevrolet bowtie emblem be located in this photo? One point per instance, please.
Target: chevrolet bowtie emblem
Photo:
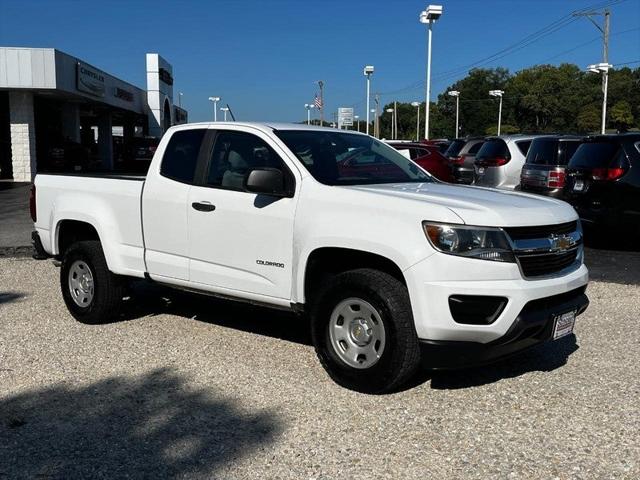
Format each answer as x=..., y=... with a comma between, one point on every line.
x=558, y=243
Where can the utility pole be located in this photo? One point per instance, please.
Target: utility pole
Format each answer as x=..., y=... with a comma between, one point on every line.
x=605, y=51
x=395, y=118
x=377, y=120
x=321, y=85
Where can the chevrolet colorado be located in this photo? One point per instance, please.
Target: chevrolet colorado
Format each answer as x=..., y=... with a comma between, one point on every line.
x=393, y=267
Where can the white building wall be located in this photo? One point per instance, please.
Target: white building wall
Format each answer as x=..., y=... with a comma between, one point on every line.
x=158, y=94
x=23, y=136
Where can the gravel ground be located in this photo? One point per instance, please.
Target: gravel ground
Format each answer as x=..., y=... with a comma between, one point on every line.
x=186, y=386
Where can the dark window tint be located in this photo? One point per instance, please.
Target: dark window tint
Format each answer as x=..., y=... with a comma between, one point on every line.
x=180, y=157
x=475, y=148
x=597, y=155
x=524, y=146
x=567, y=149
x=336, y=158
x=543, y=151
x=234, y=154
x=454, y=148
x=418, y=152
x=494, y=148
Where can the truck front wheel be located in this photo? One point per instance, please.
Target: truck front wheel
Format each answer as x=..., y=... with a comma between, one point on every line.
x=91, y=292
x=363, y=331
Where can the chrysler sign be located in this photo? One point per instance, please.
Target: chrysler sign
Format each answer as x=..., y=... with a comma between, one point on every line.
x=90, y=80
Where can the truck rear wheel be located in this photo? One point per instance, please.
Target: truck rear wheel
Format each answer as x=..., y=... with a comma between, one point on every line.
x=363, y=331
x=91, y=292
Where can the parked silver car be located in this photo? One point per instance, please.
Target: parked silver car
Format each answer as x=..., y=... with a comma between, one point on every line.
x=499, y=161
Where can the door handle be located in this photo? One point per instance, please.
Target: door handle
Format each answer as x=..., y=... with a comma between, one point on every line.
x=203, y=206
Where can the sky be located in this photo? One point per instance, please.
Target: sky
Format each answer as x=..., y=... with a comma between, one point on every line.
x=263, y=58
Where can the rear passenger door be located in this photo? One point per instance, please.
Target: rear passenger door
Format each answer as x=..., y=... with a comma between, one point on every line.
x=164, y=206
x=240, y=241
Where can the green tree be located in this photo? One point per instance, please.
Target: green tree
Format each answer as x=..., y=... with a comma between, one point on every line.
x=620, y=116
x=588, y=120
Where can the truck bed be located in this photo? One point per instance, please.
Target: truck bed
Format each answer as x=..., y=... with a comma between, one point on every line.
x=110, y=203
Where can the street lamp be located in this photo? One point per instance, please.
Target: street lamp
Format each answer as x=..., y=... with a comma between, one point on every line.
x=308, y=106
x=602, y=68
x=498, y=93
x=455, y=93
x=368, y=70
x=357, y=118
x=180, y=99
x=225, y=110
x=215, y=101
x=429, y=16
x=417, y=105
x=393, y=112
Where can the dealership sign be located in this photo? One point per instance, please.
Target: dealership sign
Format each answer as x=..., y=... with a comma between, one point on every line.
x=345, y=117
x=90, y=80
x=165, y=76
x=123, y=94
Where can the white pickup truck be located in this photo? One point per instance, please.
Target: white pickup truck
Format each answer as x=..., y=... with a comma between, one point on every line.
x=393, y=267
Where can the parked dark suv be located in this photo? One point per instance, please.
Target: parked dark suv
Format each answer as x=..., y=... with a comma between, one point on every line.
x=462, y=154
x=603, y=180
x=544, y=168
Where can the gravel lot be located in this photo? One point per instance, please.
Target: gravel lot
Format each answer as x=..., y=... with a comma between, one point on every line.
x=186, y=386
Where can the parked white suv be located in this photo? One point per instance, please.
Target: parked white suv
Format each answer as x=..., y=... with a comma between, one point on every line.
x=393, y=267
x=499, y=161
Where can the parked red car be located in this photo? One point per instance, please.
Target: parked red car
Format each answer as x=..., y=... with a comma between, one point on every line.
x=428, y=158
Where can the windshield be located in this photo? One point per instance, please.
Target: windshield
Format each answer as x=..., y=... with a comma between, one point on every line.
x=493, y=148
x=596, y=155
x=336, y=158
x=543, y=151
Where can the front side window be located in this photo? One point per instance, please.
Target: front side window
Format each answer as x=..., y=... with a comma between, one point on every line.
x=235, y=154
x=181, y=155
x=338, y=158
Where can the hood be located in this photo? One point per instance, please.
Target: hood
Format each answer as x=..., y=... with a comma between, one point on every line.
x=482, y=206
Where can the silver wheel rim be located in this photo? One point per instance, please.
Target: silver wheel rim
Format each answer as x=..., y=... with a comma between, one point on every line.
x=81, y=283
x=357, y=333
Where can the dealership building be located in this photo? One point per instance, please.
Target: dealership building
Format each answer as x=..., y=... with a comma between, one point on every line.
x=60, y=113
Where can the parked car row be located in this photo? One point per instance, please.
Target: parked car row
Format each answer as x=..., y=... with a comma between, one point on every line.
x=599, y=175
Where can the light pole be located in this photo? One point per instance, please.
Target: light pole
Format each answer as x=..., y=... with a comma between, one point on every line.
x=602, y=68
x=368, y=70
x=357, y=118
x=308, y=106
x=417, y=105
x=180, y=99
x=225, y=110
x=455, y=93
x=215, y=101
x=498, y=93
x=392, y=112
x=429, y=16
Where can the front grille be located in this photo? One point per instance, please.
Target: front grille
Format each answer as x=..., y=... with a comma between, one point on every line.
x=520, y=233
x=535, y=250
x=546, y=264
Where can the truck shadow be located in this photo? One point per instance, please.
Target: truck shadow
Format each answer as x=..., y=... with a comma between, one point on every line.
x=152, y=299
x=149, y=426
x=542, y=358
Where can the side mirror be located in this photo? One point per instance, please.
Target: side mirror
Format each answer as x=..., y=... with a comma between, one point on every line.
x=267, y=181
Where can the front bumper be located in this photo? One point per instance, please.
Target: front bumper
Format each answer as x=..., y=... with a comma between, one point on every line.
x=432, y=281
x=532, y=326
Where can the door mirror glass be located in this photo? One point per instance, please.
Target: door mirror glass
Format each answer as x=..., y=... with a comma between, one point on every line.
x=267, y=181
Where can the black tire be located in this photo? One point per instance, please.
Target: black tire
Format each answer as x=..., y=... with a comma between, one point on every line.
x=400, y=357
x=108, y=289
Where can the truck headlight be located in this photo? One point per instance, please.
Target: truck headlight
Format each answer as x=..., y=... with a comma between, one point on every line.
x=484, y=243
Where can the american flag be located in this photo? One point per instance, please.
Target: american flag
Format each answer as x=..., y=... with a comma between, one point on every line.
x=317, y=102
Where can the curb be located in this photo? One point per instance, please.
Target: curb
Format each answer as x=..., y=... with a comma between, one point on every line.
x=16, y=252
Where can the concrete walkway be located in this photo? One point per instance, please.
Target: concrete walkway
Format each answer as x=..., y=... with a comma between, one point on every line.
x=15, y=222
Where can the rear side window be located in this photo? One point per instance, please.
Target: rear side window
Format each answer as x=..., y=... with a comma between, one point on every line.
x=475, y=148
x=524, y=146
x=543, y=151
x=181, y=156
x=454, y=148
x=494, y=148
x=597, y=155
